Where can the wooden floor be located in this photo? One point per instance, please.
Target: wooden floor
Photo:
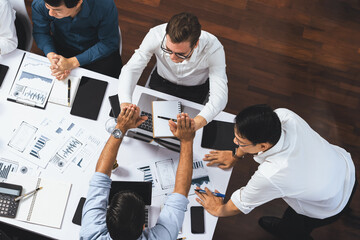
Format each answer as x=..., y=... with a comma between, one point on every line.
x=299, y=54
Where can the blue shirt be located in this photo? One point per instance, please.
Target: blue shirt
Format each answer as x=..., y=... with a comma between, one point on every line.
x=93, y=31
x=93, y=223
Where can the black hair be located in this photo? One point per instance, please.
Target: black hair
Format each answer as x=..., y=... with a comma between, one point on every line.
x=58, y=3
x=184, y=27
x=258, y=124
x=125, y=216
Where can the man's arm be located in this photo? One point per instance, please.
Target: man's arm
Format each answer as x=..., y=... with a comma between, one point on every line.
x=215, y=205
x=132, y=70
x=129, y=118
x=185, y=132
x=218, y=95
x=41, y=27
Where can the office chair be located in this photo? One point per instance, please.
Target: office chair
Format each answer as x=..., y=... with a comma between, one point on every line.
x=23, y=25
x=120, y=44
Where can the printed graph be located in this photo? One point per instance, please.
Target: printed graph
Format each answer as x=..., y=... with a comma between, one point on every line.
x=38, y=146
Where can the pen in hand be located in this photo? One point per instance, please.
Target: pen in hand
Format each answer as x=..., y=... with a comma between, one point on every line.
x=166, y=118
x=215, y=193
x=69, y=90
x=27, y=194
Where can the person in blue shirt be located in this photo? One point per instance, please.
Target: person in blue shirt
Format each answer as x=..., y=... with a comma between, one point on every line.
x=125, y=216
x=74, y=33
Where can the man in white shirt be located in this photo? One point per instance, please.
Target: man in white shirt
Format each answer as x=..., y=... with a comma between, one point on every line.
x=190, y=64
x=315, y=178
x=8, y=38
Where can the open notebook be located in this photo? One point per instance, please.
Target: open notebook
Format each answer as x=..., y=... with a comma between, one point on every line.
x=59, y=92
x=45, y=207
x=162, y=111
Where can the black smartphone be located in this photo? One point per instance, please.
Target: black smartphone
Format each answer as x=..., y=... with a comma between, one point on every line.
x=78, y=213
x=115, y=106
x=197, y=219
x=3, y=71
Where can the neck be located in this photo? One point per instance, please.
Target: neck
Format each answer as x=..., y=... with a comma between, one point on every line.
x=77, y=10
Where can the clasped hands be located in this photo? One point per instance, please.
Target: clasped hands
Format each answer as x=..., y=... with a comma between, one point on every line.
x=61, y=66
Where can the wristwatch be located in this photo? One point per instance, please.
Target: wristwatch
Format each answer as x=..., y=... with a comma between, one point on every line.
x=117, y=133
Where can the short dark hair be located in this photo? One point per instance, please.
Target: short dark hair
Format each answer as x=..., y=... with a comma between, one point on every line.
x=125, y=216
x=258, y=124
x=58, y=3
x=184, y=27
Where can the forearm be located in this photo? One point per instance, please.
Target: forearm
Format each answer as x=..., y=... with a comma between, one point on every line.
x=130, y=75
x=228, y=209
x=199, y=122
x=108, y=156
x=185, y=169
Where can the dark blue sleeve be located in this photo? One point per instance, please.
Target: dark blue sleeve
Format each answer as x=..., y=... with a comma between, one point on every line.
x=108, y=33
x=41, y=27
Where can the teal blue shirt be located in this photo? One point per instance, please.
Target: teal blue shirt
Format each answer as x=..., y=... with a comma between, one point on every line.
x=93, y=222
x=93, y=31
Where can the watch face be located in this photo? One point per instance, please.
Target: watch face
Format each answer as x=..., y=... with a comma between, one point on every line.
x=117, y=133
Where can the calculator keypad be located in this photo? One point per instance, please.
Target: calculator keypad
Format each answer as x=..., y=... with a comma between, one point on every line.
x=8, y=206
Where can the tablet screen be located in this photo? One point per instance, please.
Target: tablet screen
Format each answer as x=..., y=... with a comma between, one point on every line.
x=143, y=189
x=89, y=97
x=218, y=135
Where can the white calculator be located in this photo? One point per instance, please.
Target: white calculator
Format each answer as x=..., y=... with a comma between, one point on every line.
x=8, y=205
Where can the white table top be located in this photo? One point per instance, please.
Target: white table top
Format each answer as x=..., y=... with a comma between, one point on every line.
x=11, y=114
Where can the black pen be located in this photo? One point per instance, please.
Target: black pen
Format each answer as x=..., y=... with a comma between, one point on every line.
x=166, y=118
x=69, y=90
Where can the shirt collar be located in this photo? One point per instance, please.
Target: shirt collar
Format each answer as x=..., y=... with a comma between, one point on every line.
x=261, y=156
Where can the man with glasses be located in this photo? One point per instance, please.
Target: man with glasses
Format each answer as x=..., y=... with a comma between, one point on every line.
x=315, y=178
x=190, y=64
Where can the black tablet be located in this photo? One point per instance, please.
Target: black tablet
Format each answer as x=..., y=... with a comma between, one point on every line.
x=89, y=97
x=218, y=135
x=143, y=189
x=3, y=71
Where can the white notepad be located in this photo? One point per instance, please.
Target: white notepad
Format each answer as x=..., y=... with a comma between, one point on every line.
x=167, y=109
x=59, y=92
x=47, y=206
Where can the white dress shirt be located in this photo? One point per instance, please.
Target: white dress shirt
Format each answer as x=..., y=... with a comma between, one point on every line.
x=8, y=38
x=314, y=177
x=207, y=61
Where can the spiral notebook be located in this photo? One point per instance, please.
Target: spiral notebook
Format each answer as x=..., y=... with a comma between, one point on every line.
x=45, y=207
x=162, y=111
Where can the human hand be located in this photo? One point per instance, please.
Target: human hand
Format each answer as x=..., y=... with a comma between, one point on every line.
x=66, y=63
x=224, y=159
x=184, y=130
x=53, y=60
x=130, y=118
x=210, y=202
x=62, y=75
x=123, y=105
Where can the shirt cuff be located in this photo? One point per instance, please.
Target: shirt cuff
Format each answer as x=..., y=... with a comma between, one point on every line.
x=236, y=199
x=82, y=58
x=48, y=49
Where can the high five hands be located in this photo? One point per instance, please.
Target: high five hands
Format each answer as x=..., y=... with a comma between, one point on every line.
x=184, y=130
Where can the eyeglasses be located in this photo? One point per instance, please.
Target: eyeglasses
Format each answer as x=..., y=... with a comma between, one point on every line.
x=242, y=145
x=179, y=55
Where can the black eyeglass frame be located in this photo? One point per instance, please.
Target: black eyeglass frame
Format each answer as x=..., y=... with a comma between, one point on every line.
x=179, y=55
